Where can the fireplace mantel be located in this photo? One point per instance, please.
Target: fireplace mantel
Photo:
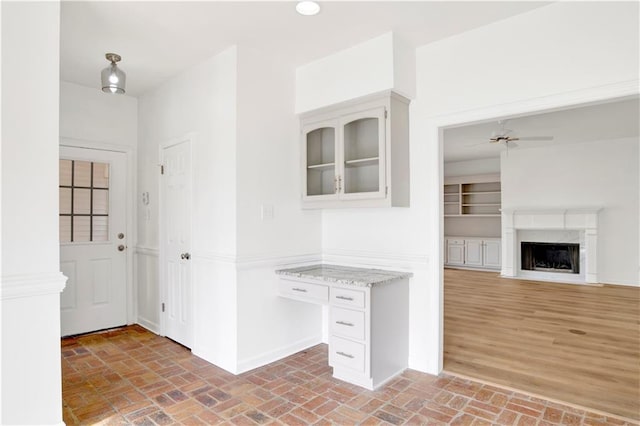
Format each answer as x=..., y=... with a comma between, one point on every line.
x=584, y=220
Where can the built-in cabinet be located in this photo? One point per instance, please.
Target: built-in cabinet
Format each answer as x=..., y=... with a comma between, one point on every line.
x=478, y=195
x=356, y=154
x=368, y=329
x=473, y=252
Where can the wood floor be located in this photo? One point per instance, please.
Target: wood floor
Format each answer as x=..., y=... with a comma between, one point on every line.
x=579, y=344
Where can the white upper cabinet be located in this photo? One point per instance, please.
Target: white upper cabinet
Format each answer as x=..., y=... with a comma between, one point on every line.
x=356, y=154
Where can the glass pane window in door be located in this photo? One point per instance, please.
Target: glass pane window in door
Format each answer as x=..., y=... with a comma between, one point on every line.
x=321, y=181
x=321, y=169
x=321, y=146
x=361, y=178
x=361, y=156
x=84, y=201
x=361, y=139
x=82, y=173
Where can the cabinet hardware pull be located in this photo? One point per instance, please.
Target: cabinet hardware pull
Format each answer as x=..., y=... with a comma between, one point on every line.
x=345, y=355
x=302, y=290
x=348, y=324
x=344, y=298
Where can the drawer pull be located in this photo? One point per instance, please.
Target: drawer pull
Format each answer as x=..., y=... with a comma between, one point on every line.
x=345, y=355
x=301, y=290
x=348, y=324
x=344, y=298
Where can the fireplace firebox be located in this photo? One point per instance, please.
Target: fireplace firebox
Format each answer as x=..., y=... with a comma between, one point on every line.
x=550, y=257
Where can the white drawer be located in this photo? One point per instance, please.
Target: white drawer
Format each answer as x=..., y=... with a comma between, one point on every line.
x=348, y=298
x=455, y=242
x=346, y=353
x=300, y=290
x=348, y=323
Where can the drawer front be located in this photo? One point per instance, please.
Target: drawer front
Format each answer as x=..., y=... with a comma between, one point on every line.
x=455, y=242
x=348, y=298
x=346, y=353
x=316, y=293
x=348, y=323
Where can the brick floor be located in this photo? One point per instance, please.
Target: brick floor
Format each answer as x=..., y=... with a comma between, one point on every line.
x=131, y=376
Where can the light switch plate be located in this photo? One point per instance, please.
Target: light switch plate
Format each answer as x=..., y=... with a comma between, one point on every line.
x=266, y=212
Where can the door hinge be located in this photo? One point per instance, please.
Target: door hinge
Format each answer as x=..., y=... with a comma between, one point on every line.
x=161, y=169
x=385, y=113
x=386, y=190
x=162, y=306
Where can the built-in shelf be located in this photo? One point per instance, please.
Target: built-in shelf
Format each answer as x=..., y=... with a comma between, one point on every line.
x=362, y=162
x=472, y=196
x=321, y=167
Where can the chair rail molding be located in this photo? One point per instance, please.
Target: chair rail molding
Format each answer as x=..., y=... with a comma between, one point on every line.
x=378, y=259
x=30, y=285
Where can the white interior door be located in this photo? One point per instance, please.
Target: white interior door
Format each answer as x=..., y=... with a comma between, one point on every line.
x=175, y=234
x=92, y=239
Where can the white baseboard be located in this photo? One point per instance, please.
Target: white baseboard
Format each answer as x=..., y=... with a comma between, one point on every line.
x=149, y=325
x=269, y=357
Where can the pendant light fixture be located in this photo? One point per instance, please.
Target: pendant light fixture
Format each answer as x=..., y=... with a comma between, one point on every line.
x=113, y=78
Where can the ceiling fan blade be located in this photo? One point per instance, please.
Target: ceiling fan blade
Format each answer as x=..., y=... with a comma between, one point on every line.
x=536, y=138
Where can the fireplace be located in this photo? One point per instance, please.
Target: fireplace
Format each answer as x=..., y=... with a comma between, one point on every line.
x=550, y=257
x=576, y=229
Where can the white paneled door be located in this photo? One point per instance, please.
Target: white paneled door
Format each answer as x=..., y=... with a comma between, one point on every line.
x=93, y=243
x=175, y=234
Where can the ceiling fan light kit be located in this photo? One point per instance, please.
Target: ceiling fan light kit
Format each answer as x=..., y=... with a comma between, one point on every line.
x=113, y=78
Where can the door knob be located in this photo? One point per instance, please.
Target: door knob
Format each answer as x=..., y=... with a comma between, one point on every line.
x=121, y=247
x=185, y=256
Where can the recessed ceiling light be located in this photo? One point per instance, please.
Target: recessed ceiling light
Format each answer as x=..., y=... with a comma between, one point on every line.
x=307, y=7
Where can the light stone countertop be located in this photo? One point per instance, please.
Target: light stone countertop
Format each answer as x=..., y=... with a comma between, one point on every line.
x=360, y=277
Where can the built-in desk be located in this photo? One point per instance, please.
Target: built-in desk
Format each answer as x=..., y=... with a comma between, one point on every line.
x=368, y=314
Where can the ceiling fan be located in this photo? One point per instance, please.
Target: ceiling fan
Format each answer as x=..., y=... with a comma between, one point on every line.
x=506, y=137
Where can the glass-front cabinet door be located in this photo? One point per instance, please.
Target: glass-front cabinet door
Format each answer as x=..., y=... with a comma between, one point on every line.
x=320, y=179
x=362, y=155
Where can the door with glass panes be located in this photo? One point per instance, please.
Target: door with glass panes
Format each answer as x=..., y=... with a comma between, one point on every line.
x=93, y=242
x=320, y=178
x=362, y=155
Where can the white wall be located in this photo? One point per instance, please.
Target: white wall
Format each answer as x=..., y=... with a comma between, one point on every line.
x=591, y=174
x=549, y=50
x=268, y=175
x=480, y=166
x=89, y=114
x=456, y=85
x=30, y=371
x=202, y=101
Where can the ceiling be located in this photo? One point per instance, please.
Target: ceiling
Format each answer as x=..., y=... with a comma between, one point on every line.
x=605, y=121
x=158, y=39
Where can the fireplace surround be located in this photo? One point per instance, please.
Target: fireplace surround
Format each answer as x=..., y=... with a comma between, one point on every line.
x=575, y=228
